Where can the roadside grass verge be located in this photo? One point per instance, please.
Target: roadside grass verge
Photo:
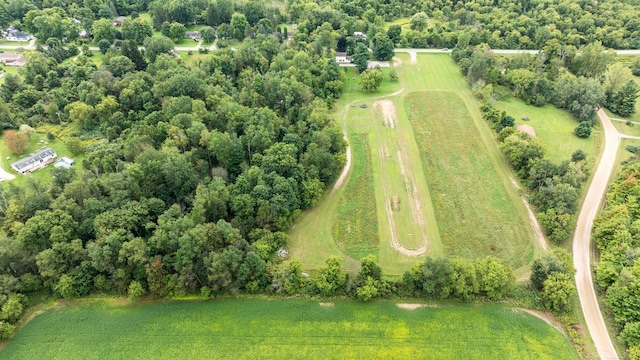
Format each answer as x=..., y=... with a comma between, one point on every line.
x=475, y=214
x=355, y=228
x=249, y=328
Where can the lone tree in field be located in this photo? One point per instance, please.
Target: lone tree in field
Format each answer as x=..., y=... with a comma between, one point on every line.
x=371, y=79
x=16, y=142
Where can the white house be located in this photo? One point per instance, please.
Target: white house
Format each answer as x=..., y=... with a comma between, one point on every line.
x=359, y=36
x=342, y=58
x=12, y=34
x=34, y=161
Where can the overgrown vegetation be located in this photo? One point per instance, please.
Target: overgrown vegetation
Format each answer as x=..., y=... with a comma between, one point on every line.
x=470, y=201
x=355, y=227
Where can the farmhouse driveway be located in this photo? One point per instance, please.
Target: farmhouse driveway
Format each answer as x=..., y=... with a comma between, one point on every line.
x=582, y=241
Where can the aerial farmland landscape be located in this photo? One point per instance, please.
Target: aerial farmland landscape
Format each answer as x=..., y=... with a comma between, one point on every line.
x=191, y=179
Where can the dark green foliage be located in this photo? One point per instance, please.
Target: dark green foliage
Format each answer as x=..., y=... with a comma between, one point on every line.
x=444, y=278
x=623, y=101
x=583, y=129
x=361, y=57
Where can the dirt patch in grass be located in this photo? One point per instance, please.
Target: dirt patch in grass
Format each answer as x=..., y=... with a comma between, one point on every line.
x=415, y=306
x=547, y=317
x=388, y=110
x=396, y=61
x=326, y=304
x=528, y=129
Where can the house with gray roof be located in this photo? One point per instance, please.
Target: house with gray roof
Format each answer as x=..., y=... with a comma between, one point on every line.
x=34, y=161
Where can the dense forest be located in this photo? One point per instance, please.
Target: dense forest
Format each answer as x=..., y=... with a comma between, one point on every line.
x=617, y=235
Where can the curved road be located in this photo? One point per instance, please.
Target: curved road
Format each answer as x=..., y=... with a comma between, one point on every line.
x=582, y=241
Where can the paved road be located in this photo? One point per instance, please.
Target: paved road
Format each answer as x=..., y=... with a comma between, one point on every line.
x=582, y=241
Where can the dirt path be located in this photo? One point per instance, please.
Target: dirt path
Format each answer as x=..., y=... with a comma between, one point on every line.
x=388, y=112
x=532, y=217
x=547, y=317
x=582, y=241
x=347, y=166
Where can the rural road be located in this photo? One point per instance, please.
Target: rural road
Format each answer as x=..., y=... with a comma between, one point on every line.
x=582, y=241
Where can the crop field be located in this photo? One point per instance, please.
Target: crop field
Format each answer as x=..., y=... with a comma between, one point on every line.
x=440, y=183
x=475, y=215
x=297, y=329
x=555, y=127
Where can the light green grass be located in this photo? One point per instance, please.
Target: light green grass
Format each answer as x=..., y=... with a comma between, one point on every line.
x=311, y=237
x=623, y=128
x=504, y=232
x=295, y=329
x=17, y=44
x=13, y=70
x=355, y=227
x=475, y=215
x=43, y=174
x=553, y=126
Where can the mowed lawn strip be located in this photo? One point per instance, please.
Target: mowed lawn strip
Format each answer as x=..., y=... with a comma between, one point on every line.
x=297, y=329
x=355, y=228
x=475, y=215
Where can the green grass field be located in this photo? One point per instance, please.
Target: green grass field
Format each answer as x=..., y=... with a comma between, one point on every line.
x=553, y=126
x=296, y=329
x=475, y=215
x=499, y=225
x=355, y=227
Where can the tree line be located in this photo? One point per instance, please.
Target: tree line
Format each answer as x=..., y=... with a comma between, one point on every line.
x=616, y=234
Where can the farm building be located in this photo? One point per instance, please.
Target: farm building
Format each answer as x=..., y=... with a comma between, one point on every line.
x=12, y=59
x=119, y=20
x=342, y=58
x=64, y=162
x=34, y=161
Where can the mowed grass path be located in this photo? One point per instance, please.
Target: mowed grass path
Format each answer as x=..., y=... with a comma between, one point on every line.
x=475, y=215
x=278, y=329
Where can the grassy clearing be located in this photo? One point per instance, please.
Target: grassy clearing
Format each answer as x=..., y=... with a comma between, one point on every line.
x=313, y=237
x=623, y=128
x=44, y=174
x=13, y=70
x=503, y=230
x=475, y=215
x=355, y=227
x=249, y=329
x=553, y=126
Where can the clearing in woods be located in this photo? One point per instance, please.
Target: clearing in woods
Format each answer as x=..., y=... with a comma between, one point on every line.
x=441, y=186
x=276, y=329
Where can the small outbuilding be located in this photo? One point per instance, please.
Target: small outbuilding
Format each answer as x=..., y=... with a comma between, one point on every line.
x=119, y=20
x=64, y=162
